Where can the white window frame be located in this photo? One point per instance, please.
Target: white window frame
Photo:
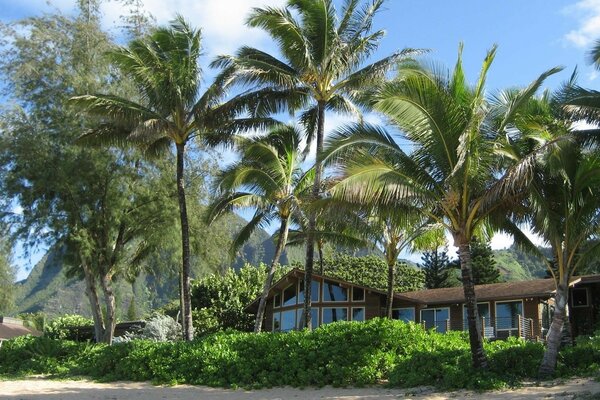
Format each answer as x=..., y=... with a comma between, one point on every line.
x=323, y=313
x=273, y=322
x=276, y=295
x=407, y=308
x=295, y=319
x=318, y=300
x=352, y=313
x=496, y=314
x=348, y=294
x=587, y=297
x=352, y=295
x=434, y=314
x=295, y=295
x=300, y=311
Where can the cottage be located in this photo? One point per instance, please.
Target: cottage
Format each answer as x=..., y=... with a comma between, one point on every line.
x=520, y=308
x=12, y=328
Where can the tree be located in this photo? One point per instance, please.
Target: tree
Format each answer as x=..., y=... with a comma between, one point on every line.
x=563, y=203
x=372, y=271
x=453, y=173
x=483, y=263
x=321, y=70
x=100, y=206
x=164, y=68
x=268, y=178
x=436, y=267
x=7, y=279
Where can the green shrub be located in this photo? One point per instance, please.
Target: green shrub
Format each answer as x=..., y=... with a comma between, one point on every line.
x=59, y=328
x=340, y=354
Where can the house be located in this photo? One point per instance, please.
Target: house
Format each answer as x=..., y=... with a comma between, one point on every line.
x=520, y=308
x=12, y=328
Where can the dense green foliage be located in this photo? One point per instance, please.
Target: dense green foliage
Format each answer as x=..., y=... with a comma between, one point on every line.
x=436, y=268
x=347, y=353
x=218, y=300
x=483, y=263
x=371, y=271
x=7, y=278
x=58, y=328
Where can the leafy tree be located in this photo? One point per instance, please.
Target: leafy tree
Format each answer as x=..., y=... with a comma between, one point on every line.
x=219, y=300
x=437, y=269
x=453, y=173
x=96, y=204
x=268, y=178
x=321, y=70
x=372, y=271
x=165, y=70
x=7, y=280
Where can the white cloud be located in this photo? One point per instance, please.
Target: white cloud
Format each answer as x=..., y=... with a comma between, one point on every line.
x=587, y=12
x=222, y=22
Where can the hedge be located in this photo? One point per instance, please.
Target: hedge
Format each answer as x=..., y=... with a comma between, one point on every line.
x=340, y=354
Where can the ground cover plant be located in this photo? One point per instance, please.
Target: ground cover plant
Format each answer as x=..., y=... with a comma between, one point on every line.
x=341, y=354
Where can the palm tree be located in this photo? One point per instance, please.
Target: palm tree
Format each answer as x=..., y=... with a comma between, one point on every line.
x=268, y=178
x=452, y=174
x=321, y=70
x=164, y=68
x=395, y=230
x=563, y=206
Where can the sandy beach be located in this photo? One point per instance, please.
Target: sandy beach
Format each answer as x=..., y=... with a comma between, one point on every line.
x=40, y=388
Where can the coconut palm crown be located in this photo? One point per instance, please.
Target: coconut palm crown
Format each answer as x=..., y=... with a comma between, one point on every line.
x=268, y=179
x=453, y=172
x=321, y=69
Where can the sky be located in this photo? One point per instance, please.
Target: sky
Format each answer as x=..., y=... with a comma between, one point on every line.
x=532, y=36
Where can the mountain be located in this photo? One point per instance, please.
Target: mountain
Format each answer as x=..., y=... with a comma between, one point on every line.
x=49, y=290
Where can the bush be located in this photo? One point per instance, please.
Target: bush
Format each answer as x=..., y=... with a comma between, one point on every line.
x=59, y=328
x=340, y=354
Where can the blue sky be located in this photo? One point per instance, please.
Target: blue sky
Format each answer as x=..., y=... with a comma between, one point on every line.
x=532, y=36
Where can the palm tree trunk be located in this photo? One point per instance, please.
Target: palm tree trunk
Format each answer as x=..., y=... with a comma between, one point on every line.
x=111, y=318
x=283, y=233
x=186, y=311
x=475, y=339
x=312, y=220
x=92, y=294
x=320, y=249
x=554, y=336
x=390, y=289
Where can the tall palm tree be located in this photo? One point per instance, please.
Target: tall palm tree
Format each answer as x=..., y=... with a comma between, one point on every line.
x=563, y=206
x=269, y=179
x=452, y=173
x=170, y=110
x=321, y=70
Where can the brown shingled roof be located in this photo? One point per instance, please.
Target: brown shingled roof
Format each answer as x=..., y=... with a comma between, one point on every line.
x=493, y=291
x=12, y=329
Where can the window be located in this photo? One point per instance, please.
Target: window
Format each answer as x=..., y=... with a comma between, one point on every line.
x=483, y=309
x=289, y=296
x=314, y=292
x=435, y=317
x=276, y=322
x=333, y=314
x=288, y=320
x=579, y=297
x=276, y=301
x=334, y=292
x=358, y=313
x=314, y=314
x=358, y=294
x=404, y=314
x=507, y=313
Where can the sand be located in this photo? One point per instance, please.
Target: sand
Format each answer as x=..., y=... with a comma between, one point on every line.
x=40, y=388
